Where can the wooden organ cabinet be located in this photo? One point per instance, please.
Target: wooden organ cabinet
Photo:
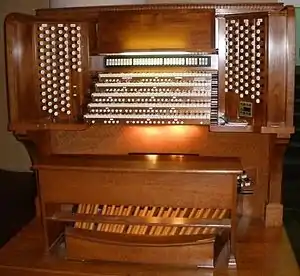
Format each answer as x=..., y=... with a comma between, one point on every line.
x=154, y=129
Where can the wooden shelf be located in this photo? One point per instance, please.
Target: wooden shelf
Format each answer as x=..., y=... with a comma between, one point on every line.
x=142, y=163
x=231, y=129
x=278, y=130
x=131, y=220
x=242, y=129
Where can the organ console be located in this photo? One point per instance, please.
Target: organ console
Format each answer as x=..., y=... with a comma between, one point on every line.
x=155, y=129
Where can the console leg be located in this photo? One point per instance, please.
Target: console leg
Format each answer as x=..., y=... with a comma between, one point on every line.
x=232, y=261
x=274, y=214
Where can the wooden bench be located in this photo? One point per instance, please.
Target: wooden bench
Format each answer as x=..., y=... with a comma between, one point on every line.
x=168, y=209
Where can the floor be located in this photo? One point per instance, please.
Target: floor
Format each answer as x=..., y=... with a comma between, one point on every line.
x=259, y=251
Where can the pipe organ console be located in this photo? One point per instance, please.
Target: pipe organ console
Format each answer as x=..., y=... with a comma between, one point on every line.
x=156, y=98
x=153, y=129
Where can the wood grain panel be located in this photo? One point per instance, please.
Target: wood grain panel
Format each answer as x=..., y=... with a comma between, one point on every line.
x=276, y=164
x=291, y=56
x=200, y=253
x=277, y=70
x=19, y=55
x=185, y=30
x=155, y=189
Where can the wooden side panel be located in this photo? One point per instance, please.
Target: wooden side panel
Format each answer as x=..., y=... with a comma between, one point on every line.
x=47, y=66
x=11, y=70
x=277, y=70
x=136, y=30
x=143, y=189
x=291, y=61
x=20, y=69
